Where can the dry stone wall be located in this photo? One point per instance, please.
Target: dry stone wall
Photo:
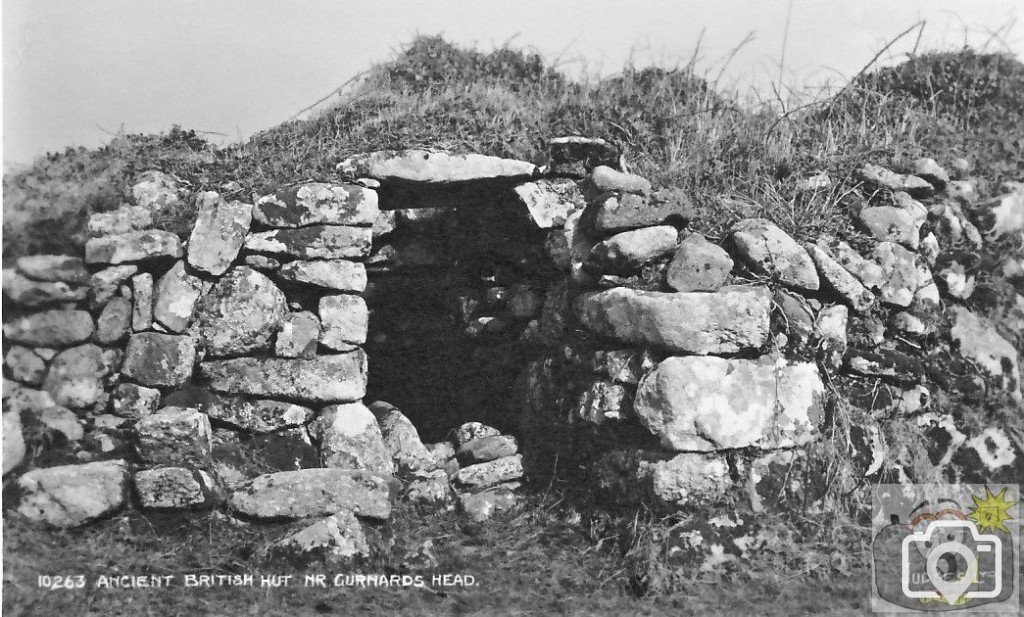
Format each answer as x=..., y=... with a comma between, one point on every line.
x=571, y=307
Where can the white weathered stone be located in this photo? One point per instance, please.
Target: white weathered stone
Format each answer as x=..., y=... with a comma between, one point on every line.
x=1001, y=216
x=142, y=308
x=603, y=401
x=605, y=179
x=867, y=272
x=830, y=332
x=344, y=320
x=300, y=332
x=472, y=430
x=892, y=224
x=485, y=504
x=726, y=321
x=133, y=401
x=72, y=495
x=708, y=404
x=334, y=274
x=551, y=201
x=177, y=293
x=350, y=438
x=218, y=233
x=431, y=167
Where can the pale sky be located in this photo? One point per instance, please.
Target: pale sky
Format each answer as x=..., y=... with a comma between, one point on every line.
x=73, y=69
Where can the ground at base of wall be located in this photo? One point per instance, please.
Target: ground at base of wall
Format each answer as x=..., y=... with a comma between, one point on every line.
x=540, y=559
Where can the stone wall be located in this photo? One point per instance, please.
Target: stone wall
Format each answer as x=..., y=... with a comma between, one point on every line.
x=570, y=306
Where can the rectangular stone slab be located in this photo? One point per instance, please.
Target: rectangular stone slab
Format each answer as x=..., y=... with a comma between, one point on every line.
x=338, y=378
x=312, y=492
x=726, y=321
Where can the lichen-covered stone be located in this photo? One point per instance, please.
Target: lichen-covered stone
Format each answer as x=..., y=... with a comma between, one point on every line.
x=28, y=292
x=770, y=251
x=726, y=321
x=339, y=538
x=258, y=416
x=431, y=167
x=472, y=430
x=626, y=251
x=114, y=321
x=337, y=378
x=142, y=307
x=709, y=404
x=334, y=274
x=24, y=365
x=124, y=219
x=13, y=441
x=617, y=212
x=350, y=438
x=54, y=328
x=133, y=401
x=839, y=280
x=432, y=490
x=106, y=283
x=866, y=271
x=698, y=265
x=133, y=246
x=73, y=495
x=892, y=224
x=492, y=472
x=312, y=492
x=173, y=488
x=218, y=233
x=402, y=442
x=978, y=340
x=669, y=481
x=75, y=376
x=344, y=320
x=174, y=436
x=1001, y=216
x=54, y=268
x=487, y=449
x=317, y=203
x=159, y=360
x=300, y=332
x=912, y=185
x=899, y=273
x=177, y=293
x=315, y=242
x=830, y=327
x=241, y=313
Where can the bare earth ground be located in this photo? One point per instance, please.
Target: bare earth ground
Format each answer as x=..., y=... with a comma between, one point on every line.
x=534, y=562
